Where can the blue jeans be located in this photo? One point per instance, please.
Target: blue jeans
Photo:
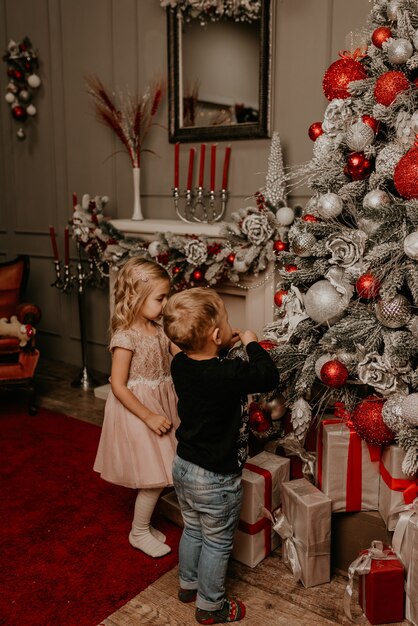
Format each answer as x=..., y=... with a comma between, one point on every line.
x=210, y=504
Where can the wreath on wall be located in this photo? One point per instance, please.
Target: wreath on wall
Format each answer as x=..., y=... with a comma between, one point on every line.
x=214, y=10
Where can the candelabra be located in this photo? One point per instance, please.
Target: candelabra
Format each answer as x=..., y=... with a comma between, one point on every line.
x=66, y=280
x=201, y=206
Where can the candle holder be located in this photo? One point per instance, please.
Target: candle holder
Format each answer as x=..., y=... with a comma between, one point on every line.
x=205, y=207
x=66, y=281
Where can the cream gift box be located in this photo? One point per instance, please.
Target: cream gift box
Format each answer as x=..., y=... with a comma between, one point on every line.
x=348, y=468
x=405, y=545
x=411, y=587
x=304, y=523
x=396, y=489
x=262, y=477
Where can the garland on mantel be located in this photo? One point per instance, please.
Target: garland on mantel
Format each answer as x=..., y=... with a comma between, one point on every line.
x=214, y=10
x=247, y=244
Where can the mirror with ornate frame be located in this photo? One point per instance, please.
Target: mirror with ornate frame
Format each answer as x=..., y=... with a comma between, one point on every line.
x=219, y=76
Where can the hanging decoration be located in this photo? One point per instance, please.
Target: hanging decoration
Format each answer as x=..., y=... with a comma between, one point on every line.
x=23, y=81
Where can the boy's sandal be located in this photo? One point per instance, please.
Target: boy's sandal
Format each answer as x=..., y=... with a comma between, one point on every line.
x=187, y=595
x=233, y=610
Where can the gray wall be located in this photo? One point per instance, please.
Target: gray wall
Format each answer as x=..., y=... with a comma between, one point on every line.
x=67, y=150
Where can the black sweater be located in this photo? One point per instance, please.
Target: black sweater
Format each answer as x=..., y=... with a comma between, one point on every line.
x=211, y=432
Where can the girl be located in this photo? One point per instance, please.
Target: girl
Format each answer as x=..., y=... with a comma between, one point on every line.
x=137, y=442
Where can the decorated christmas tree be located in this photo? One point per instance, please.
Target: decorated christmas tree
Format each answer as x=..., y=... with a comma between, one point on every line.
x=347, y=321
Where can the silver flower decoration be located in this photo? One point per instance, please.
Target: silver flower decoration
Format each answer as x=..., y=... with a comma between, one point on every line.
x=376, y=370
x=196, y=252
x=346, y=248
x=337, y=115
x=257, y=228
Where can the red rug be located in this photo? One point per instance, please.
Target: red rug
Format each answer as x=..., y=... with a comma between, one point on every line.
x=65, y=556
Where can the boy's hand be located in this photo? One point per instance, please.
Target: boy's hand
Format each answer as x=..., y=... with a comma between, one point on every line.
x=158, y=423
x=247, y=337
x=235, y=337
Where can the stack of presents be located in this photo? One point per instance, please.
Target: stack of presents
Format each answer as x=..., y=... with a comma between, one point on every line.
x=344, y=504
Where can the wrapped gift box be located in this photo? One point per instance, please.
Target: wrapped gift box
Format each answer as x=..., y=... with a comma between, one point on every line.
x=411, y=607
x=307, y=513
x=405, y=544
x=262, y=478
x=169, y=507
x=396, y=489
x=347, y=468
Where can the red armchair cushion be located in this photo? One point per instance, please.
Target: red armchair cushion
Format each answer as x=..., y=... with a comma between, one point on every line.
x=12, y=278
x=9, y=345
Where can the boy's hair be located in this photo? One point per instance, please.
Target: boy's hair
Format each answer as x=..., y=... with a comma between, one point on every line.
x=190, y=315
x=134, y=283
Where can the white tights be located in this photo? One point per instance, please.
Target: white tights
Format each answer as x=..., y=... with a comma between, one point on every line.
x=143, y=536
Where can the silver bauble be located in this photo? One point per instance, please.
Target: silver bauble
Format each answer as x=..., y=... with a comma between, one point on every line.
x=393, y=313
x=20, y=134
x=376, y=199
x=320, y=362
x=359, y=135
x=391, y=412
x=24, y=95
x=34, y=81
x=392, y=10
x=285, y=216
x=410, y=245
x=10, y=98
x=302, y=244
x=31, y=110
x=409, y=409
x=330, y=205
x=413, y=326
x=346, y=358
x=415, y=39
x=414, y=122
x=323, y=303
x=399, y=51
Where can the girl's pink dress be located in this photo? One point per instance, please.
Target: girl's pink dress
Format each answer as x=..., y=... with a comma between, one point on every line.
x=130, y=453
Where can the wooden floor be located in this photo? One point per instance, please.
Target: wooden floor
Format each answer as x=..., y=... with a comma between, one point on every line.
x=268, y=590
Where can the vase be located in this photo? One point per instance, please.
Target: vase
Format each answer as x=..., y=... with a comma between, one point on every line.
x=137, y=213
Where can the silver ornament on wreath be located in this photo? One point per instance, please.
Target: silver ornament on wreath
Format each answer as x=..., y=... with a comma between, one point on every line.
x=409, y=409
x=393, y=313
x=285, y=216
x=323, y=303
x=303, y=243
x=410, y=245
x=330, y=205
x=359, y=136
x=392, y=412
x=399, y=51
x=376, y=199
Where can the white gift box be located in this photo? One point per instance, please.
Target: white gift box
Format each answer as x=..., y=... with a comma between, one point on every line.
x=396, y=488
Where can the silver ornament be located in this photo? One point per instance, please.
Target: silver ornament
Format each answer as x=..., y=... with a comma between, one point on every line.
x=330, y=205
x=410, y=245
x=276, y=407
x=409, y=409
x=285, y=216
x=414, y=122
x=415, y=39
x=10, y=98
x=376, y=199
x=24, y=95
x=393, y=313
x=392, y=10
x=358, y=136
x=34, y=81
x=31, y=110
x=323, y=303
x=302, y=244
x=20, y=134
x=392, y=412
x=413, y=327
x=320, y=362
x=399, y=51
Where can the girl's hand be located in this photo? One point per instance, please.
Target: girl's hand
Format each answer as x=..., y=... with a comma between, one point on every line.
x=247, y=337
x=158, y=423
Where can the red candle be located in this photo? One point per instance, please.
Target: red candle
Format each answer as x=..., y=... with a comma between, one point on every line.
x=75, y=201
x=190, y=173
x=54, y=243
x=202, y=163
x=176, y=164
x=226, y=167
x=212, y=166
x=66, y=246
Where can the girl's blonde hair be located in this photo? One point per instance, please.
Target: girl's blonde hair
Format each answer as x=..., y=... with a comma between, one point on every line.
x=134, y=283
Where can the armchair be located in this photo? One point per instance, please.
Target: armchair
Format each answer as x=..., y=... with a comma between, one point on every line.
x=18, y=355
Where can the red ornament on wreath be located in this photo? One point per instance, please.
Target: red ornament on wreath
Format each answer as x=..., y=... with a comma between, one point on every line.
x=388, y=86
x=368, y=422
x=231, y=258
x=278, y=297
x=259, y=421
x=267, y=344
x=197, y=275
x=358, y=166
x=19, y=113
x=406, y=174
x=315, y=130
x=290, y=268
x=372, y=122
x=308, y=217
x=176, y=270
x=340, y=74
x=368, y=286
x=280, y=246
x=334, y=373
x=380, y=35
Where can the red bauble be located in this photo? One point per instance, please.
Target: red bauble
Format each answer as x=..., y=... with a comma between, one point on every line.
x=29, y=330
x=163, y=258
x=368, y=422
x=19, y=113
x=267, y=344
x=406, y=175
x=368, y=286
x=18, y=75
x=308, y=217
x=280, y=246
x=380, y=35
x=334, y=373
x=372, y=122
x=278, y=297
x=388, y=86
x=231, y=258
x=339, y=75
x=176, y=270
x=290, y=268
x=315, y=130
x=358, y=166
x=197, y=275
x=259, y=421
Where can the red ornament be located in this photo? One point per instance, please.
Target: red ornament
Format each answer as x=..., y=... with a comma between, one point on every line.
x=334, y=373
x=388, y=86
x=163, y=258
x=267, y=345
x=339, y=75
x=290, y=268
x=368, y=286
x=259, y=421
x=309, y=218
x=197, y=275
x=231, y=258
x=358, y=166
x=278, y=297
x=18, y=75
x=19, y=113
x=280, y=246
x=29, y=330
x=315, y=130
x=372, y=122
x=380, y=35
x=406, y=175
x=368, y=422
x=214, y=249
x=176, y=270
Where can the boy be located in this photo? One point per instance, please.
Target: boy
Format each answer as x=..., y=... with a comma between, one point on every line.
x=212, y=442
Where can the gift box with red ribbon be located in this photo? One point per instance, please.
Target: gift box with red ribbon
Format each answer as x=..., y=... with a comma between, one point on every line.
x=381, y=585
x=262, y=478
x=396, y=488
x=347, y=467
x=411, y=588
x=405, y=544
